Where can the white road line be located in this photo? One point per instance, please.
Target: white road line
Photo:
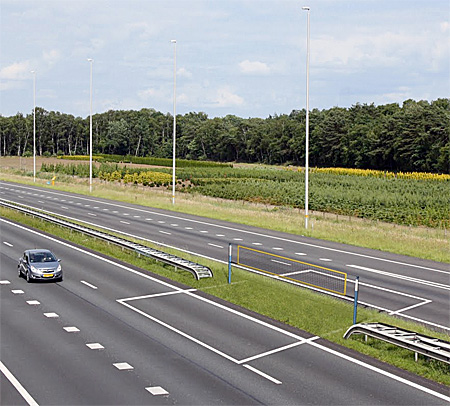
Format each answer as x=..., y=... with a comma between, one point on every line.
x=95, y=346
x=64, y=207
x=149, y=219
x=156, y=390
x=124, y=222
x=126, y=214
x=256, y=243
x=172, y=292
x=71, y=329
x=325, y=259
x=123, y=366
x=215, y=245
x=51, y=315
x=237, y=239
x=410, y=307
x=257, y=371
x=17, y=291
x=165, y=232
x=5, y=282
x=7, y=243
x=296, y=272
x=281, y=262
x=33, y=302
x=278, y=248
x=204, y=231
x=403, y=277
x=188, y=228
x=136, y=217
x=88, y=284
x=275, y=350
x=23, y=392
x=300, y=253
x=218, y=235
x=161, y=222
x=174, y=225
x=92, y=214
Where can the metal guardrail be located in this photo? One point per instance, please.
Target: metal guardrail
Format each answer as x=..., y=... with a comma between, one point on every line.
x=198, y=270
x=420, y=344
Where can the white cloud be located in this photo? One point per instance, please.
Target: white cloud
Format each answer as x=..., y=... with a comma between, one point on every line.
x=445, y=26
x=51, y=57
x=17, y=71
x=184, y=73
x=226, y=98
x=254, y=67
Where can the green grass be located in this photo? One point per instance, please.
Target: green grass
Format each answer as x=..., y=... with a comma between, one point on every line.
x=316, y=313
x=420, y=242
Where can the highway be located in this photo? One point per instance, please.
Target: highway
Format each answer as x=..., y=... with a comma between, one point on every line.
x=113, y=334
x=413, y=288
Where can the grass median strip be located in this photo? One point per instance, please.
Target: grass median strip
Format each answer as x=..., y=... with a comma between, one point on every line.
x=316, y=313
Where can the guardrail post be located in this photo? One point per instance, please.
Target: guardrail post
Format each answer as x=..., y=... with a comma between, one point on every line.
x=355, y=307
x=229, y=263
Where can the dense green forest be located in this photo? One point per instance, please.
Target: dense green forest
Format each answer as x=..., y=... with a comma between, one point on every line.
x=411, y=137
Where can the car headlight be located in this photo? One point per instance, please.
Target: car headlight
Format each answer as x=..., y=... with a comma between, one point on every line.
x=33, y=269
x=59, y=268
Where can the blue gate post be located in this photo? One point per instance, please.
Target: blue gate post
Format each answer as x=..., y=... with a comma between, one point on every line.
x=356, y=299
x=229, y=263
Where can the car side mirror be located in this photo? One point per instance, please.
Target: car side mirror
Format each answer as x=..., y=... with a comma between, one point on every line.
x=59, y=259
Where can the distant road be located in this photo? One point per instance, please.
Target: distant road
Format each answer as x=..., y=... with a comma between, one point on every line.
x=112, y=334
x=414, y=288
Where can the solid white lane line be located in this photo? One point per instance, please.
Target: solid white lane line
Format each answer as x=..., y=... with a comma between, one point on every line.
x=164, y=232
x=123, y=366
x=124, y=222
x=215, y=245
x=95, y=346
x=7, y=243
x=156, y=390
x=264, y=375
x=88, y=284
x=11, y=378
x=403, y=277
x=172, y=292
x=281, y=262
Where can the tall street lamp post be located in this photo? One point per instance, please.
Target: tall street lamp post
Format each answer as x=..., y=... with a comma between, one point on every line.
x=174, y=41
x=90, y=129
x=306, y=8
x=34, y=125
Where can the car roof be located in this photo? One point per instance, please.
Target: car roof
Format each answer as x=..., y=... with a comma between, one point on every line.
x=36, y=251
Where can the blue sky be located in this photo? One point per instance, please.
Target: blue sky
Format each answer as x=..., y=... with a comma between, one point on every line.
x=246, y=58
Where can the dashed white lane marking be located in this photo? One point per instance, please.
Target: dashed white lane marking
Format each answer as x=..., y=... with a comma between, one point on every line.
x=11, y=378
x=325, y=259
x=300, y=253
x=124, y=222
x=161, y=222
x=115, y=211
x=156, y=390
x=51, y=315
x=92, y=214
x=7, y=243
x=123, y=366
x=136, y=217
x=220, y=235
x=281, y=262
x=237, y=239
x=88, y=284
x=174, y=225
x=204, y=231
x=64, y=207
x=126, y=214
x=188, y=228
x=277, y=248
x=33, y=302
x=148, y=219
x=256, y=243
x=165, y=232
x=105, y=209
x=257, y=371
x=5, y=282
x=87, y=205
x=215, y=245
x=40, y=201
x=95, y=346
x=71, y=329
x=17, y=291
x=96, y=207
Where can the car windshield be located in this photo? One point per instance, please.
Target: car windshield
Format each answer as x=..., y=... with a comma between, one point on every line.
x=42, y=257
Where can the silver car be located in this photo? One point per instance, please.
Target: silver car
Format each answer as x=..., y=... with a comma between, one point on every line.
x=40, y=264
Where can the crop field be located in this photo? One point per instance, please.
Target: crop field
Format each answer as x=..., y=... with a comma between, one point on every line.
x=415, y=199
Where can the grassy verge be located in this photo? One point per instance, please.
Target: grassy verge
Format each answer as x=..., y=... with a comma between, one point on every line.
x=316, y=313
x=419, y=242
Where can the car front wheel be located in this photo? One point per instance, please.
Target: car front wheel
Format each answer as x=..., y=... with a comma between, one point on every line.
x=19, y=272
x=28, y=277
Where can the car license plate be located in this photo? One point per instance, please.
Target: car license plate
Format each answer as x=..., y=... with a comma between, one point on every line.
x=47, y=275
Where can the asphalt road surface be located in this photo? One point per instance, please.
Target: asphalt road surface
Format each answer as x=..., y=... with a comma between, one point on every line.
x=112, y=334
x=413, y=288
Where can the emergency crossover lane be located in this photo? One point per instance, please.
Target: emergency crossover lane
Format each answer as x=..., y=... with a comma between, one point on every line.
x=114, y=334
x=413, y=288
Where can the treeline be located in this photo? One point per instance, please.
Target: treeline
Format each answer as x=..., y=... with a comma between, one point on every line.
x=411, y=137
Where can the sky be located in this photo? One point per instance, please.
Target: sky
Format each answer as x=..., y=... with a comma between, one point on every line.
x=241, y=57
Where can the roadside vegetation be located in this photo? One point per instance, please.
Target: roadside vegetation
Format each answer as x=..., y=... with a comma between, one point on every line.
x=316, y=313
